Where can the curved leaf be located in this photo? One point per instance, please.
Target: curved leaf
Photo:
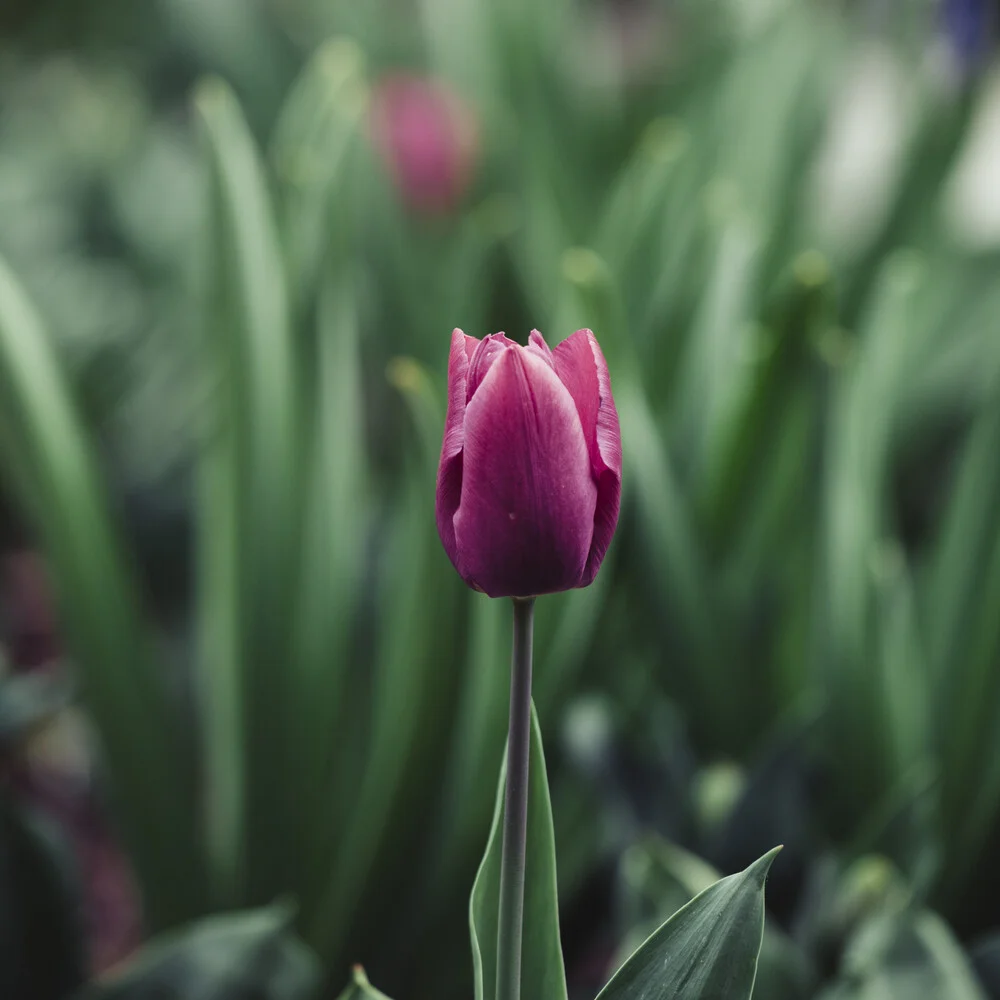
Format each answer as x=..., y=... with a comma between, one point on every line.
x=42, y=933
x=250, y=515
x=908, y=957
x=222, y=957
x=360, y=988
x=707, y=950
x=51, y=460
x=542, y=972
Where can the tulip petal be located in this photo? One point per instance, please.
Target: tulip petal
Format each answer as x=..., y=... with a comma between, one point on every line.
x=487, y=351
x=581, y=367
x=526, y=517
x=537, y=346
x=449, y=482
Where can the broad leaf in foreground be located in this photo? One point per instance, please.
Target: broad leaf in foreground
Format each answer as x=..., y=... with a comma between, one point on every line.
x=707, y=950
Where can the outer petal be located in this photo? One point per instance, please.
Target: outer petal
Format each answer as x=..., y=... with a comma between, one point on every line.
x=581, y=367
x=526, y=517
x=449, y=481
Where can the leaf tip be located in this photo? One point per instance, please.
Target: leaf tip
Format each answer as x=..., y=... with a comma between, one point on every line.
x=210, y=94
x=762, y=865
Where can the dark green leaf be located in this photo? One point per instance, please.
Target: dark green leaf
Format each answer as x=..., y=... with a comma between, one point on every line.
x=42, y=948
x=542, y=973
x=251, y=515
x=914, y=957
x=985, y=956
x=360, y=988
x=251, y=955
x=50, y=458
x=707, y=950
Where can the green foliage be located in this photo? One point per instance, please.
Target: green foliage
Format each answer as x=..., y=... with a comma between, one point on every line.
x=360, y=988
x=708, y=948
x=224, y=957
x=50, y=457
x=542, y=972
x=42, y=951
x=807, y=372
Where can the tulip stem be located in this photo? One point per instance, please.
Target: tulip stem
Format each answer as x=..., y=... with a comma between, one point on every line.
x=515, y=816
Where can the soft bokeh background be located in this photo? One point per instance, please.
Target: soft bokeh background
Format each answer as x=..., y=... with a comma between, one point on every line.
x=235, y=236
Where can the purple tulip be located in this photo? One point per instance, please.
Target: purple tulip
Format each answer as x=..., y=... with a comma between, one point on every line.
x=530, y=477
x=427, y=137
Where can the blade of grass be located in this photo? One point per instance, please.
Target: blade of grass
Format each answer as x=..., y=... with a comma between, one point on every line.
x=311, y=153
x=417, y=587
x=254, y=360
x=124, y=687
x=333, y=559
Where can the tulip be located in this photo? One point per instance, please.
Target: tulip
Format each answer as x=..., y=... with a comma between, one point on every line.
x=427, y=138
x=529, y=482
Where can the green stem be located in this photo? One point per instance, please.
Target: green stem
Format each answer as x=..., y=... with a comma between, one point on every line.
x=515, y=814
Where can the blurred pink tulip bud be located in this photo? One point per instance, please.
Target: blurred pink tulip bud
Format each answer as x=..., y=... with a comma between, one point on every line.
x=427, y=137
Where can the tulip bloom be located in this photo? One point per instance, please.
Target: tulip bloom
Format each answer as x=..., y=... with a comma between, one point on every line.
x=427, y=137
x=529, y=483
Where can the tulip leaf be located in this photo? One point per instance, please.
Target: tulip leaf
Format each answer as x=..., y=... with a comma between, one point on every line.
x=311, y=154
x=335, y=529
x=50, y=459
x=360, y=988
x=708, y=949
x=250, y=517
x=913, y=958
x=42, y=934
x=542, y=972
x=222, y=957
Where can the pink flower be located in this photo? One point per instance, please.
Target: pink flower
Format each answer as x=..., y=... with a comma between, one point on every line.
x=529, y=483
x=427, y=137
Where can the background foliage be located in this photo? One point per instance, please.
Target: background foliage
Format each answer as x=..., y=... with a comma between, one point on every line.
x=223, y=333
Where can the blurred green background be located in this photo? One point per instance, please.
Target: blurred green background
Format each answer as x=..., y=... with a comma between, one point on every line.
x=235, y=236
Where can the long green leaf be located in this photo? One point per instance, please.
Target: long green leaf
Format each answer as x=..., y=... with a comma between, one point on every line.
x=707, y=950
x=542, y=973
x=410, y=685
x=919, y=959
x=257, y=441
x=50, y=458
x=857, y=480
x=311, y=153
x=42, y=933
x=333, y=551
x=226, y=956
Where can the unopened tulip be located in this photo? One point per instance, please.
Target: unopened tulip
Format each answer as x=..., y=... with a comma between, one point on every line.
x=530, y=476
x=427, y=138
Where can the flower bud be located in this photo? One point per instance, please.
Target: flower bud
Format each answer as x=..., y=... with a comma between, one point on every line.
x=529, y=482
x=426, y=135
